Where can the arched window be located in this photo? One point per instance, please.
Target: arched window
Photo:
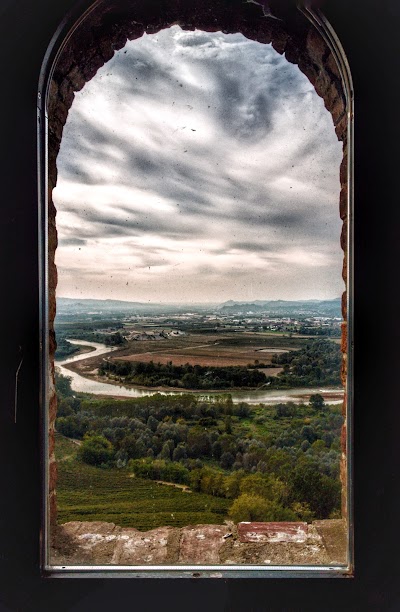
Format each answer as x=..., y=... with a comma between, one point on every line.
x=202, y=187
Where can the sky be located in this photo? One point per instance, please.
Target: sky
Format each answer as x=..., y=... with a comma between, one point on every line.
x=198, y=167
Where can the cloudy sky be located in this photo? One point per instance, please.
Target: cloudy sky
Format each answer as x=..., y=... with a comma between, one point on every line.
x=198, y=167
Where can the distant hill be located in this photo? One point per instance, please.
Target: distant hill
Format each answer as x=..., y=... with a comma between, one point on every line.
x=323, y=308
x=279, y=308
x=69, y=306
x=89, y=304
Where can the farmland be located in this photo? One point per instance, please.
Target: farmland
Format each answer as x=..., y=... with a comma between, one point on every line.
x=221, y=349
x=88, y=493
x=218, y=350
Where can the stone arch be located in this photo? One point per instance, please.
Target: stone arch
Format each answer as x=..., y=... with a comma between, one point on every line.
x=106, y=27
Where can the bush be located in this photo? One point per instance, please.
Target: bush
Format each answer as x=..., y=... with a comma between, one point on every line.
x=255, y=508
x=285, y=410
x=96, y=450
x=317, y=401
x=264, y=485
x=159, y=469
x=73, y=426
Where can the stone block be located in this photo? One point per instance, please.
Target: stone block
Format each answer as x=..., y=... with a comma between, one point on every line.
x=316, y=46
x=332, y=66
x=334, y=537
x=341, y=128
x=95, y=541
x=343, y=202
x=292, y=51
x=106, y=48
x=343, y=370
x=308, y=68
x=279, y=40
x=66, y=92
x=134, y=547
x=337, y=109
x=272, y=532
x=344, y=305
x=343, y=345
x=76, y=78
x=201, y=544
x=343, y=235
x=322, y=85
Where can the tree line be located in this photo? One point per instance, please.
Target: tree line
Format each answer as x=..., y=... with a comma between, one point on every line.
x=291, y=451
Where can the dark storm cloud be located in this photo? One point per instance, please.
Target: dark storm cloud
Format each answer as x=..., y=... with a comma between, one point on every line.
x=288, y=219
x=252, y=247
x=123, y=222
x=136, y=71
x=242, y=114
x=75, y=171
x=72, y=242
x=202, y=40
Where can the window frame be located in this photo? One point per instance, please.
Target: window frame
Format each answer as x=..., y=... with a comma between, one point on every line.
x=65, y=30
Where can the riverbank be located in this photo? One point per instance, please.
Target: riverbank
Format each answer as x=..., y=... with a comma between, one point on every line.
x=335, y=393
x=84, y=350
x=84, y=378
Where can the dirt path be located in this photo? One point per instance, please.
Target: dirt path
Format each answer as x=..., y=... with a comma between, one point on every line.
x=184, y=488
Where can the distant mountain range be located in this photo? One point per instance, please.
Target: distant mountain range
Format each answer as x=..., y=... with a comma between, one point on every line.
x=282, y=308
x=328, y=308
x=86, y=306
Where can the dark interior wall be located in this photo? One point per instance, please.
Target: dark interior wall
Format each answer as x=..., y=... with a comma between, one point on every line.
x=369, y=34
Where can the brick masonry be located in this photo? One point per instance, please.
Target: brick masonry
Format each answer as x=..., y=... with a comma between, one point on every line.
x=111, y=24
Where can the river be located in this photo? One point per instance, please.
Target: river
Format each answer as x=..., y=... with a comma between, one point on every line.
x=264, y=396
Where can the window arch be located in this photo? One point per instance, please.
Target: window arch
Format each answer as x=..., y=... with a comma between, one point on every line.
x=78, y=51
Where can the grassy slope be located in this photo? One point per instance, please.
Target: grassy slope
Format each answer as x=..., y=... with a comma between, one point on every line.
x=86, y=493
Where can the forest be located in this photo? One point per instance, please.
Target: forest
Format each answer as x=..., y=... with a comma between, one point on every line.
x=267, y=462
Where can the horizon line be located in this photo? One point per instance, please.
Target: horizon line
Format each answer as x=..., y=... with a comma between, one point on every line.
x=249, y=301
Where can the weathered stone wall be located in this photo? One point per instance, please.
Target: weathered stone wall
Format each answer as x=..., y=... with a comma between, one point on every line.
x=108, y=28
x=98, y=543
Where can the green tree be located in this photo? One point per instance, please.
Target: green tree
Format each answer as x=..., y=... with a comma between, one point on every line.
x=179, y=452
x=263, y=485
x=303, y=511
x=165, y=451
x=228, y=424
x=63, y=385
x=190, y=381
x=317, y=401
x=320, y=492
x=255, y=508
x=96, y=450
x=232, y=484
x=198, y=442
x=227, y=460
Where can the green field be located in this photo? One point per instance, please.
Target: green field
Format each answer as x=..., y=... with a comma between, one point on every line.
x=87, y=493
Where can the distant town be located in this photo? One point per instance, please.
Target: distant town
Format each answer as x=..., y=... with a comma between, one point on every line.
x=168, y=327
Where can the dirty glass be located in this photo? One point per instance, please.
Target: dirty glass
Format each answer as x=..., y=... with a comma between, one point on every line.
x=199, y=313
